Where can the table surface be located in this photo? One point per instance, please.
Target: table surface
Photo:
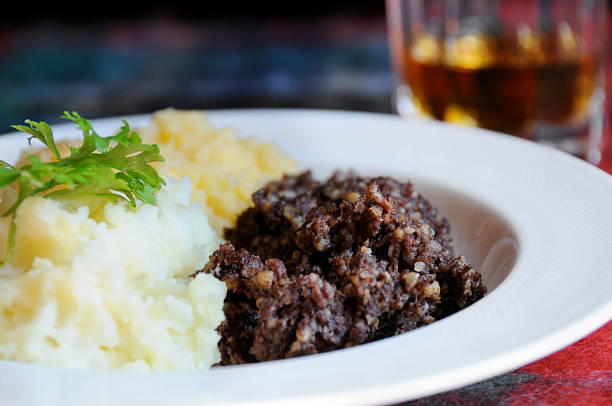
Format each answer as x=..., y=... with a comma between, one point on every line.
x=129, y=67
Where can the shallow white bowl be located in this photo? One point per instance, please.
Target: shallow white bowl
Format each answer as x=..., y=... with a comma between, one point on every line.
x=535, y=222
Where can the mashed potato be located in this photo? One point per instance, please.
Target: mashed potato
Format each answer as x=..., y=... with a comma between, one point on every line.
x=225, y=170
x=113, y=291
x=96, y=285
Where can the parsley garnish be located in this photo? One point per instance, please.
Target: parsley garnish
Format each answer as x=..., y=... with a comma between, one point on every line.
x=112, y=168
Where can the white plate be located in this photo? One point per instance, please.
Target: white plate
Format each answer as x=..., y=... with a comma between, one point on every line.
x=536, y=222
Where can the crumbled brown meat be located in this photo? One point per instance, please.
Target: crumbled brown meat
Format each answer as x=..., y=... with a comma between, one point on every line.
x=316, y=266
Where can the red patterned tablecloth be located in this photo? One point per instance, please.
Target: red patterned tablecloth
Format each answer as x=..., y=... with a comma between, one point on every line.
x=580, y=374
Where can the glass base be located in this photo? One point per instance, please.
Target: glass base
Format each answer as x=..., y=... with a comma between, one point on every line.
x=583, y=140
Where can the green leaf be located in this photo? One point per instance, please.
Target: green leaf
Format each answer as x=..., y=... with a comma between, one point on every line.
x=41, y=131
x=7, y=176
x=112, y=168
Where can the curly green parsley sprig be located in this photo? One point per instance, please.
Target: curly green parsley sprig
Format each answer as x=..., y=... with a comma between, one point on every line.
x=112, y=168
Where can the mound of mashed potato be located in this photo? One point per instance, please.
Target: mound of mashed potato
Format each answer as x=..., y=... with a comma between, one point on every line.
x=97, y=285
x=111, y=290
x=225, y=169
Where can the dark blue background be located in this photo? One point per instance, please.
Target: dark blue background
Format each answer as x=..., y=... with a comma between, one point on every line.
x=116, y=60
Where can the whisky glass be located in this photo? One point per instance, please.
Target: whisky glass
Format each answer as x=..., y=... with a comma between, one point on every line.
x=534, y=69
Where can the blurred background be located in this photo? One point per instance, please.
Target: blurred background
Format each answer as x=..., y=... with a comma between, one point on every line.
x=117, y=58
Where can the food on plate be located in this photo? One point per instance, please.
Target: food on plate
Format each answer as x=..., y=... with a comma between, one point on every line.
x=100, y=168
x=224, y=169
x=316, y=266
x=208, y=249
x=99, y=274
x=112, y=292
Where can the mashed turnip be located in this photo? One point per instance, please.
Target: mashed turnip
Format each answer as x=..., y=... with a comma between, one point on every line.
x=110, y=287
x=225, y=169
